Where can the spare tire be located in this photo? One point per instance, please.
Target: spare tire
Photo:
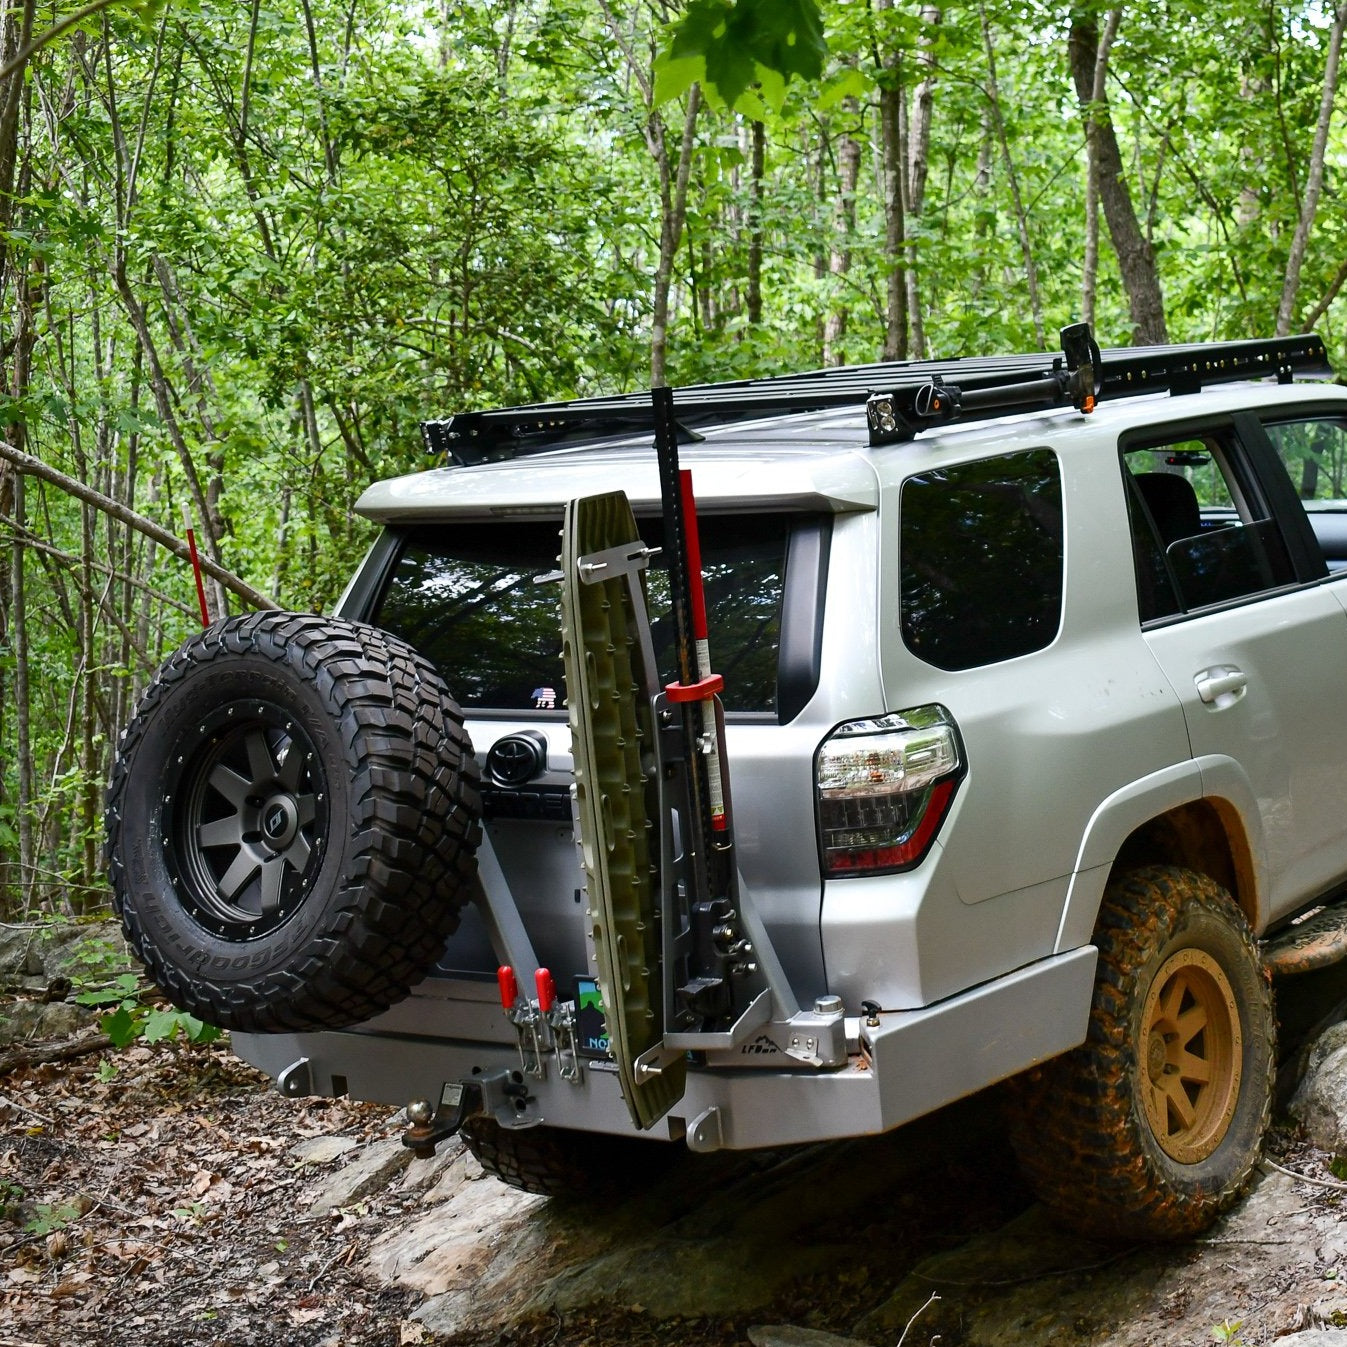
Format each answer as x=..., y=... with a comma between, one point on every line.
x=291, y=822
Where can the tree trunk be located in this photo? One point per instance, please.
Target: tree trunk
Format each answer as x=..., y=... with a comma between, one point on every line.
x=918, y=166
x=1136, y=257
x=757, y=168
x=895, y=224
x=844, y=229
x=1090, y=271
x=34, y=467
x=673, y=196
x=23, y=746
x=1314, y=179
x=1021, y=217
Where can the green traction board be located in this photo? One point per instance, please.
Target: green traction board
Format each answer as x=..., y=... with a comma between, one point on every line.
x=617, y=803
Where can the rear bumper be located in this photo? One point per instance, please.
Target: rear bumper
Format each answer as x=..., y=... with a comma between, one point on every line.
x=911, y=1063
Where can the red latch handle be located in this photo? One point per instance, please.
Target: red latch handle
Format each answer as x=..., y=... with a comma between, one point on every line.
x=547, y=990
x=701, y=691
x=509, y=986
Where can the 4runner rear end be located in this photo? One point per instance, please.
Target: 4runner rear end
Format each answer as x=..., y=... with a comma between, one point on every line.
x=1030, y=725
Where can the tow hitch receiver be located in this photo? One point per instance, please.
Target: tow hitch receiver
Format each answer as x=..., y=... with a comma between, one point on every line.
x=502, y=1095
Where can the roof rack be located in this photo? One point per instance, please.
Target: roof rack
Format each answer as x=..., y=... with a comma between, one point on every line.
x=902, y=398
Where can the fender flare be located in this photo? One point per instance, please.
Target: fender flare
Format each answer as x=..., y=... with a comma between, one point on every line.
x=1216, y=778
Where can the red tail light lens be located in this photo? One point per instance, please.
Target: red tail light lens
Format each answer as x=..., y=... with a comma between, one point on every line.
x=884, y=787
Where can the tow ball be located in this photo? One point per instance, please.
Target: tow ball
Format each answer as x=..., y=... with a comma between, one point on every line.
x=502, y=1095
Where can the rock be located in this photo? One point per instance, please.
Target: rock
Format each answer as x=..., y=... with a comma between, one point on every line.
x=482, y=1257
x=1320, y=1104
x=62, y=1019
x=78, y=950
x=1323, y=1047
x=94, y=950
x=1030, y=1285
x=1316, y=1337
x=443, y=1173
x=19, y=1021
x=788, y=1335
x=321, y=1150
x=374, y=1168
x=25, y=1021
x=19, y=953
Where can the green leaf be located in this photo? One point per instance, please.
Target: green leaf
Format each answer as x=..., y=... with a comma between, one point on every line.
x=849, y=82
x=747, y=42
x=162, y=1024
x=121, y=1027
x=675, y=75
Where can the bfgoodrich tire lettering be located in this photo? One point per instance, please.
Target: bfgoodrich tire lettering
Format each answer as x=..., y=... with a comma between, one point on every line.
x=291, y=822
x=1152, y=1127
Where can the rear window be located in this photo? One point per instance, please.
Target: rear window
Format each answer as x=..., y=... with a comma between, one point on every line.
x=468, y=597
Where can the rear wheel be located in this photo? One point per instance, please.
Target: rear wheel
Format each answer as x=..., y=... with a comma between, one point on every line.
x=1152, y=1126
x=558, y=1162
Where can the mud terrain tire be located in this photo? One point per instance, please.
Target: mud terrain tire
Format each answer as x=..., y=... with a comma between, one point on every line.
x=1152, y=1127
x=291, y=822
x=557, y=1162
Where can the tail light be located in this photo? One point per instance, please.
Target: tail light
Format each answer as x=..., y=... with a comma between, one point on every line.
x=884, y=787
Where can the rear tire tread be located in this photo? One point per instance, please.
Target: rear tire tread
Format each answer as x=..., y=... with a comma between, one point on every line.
x=413, y=819
x=1077, y=1125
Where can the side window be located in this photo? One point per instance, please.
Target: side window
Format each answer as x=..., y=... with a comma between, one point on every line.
x=1314, y=451
x=1315, y=454
x=980, y=552
x=1201, y=533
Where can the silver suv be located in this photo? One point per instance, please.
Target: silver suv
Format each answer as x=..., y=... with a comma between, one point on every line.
x=1032, y=716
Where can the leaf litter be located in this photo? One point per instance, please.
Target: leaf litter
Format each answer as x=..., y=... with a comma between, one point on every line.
x=157, y=1206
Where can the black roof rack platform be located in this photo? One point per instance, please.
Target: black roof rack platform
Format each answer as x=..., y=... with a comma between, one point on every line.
x=902, y=398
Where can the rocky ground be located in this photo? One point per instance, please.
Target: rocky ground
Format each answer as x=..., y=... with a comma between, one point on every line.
x=163, y=1196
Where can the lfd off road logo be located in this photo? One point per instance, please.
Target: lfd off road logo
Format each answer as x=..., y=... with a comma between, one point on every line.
x=762, y=1046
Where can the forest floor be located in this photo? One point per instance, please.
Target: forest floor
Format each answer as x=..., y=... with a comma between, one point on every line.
x=162, y=1196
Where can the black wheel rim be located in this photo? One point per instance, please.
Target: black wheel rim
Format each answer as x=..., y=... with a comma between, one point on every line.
x=245, y=811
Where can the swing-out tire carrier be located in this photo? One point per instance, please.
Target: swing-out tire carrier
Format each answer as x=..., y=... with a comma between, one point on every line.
x=900, y=1068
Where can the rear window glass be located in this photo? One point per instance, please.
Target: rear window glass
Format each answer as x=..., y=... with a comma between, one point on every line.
x=467, y=596
x=981, y=559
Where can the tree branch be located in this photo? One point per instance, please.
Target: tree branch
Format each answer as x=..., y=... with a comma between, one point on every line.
x=35, y=467
x=55, y=31
x=1315, y=181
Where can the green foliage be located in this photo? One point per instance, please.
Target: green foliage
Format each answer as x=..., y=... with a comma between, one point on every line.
x=729, y=45
x=436, y=209
x=49, y=1217
x=129, y=1020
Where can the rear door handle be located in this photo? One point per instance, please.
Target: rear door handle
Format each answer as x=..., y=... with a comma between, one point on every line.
x=1222, y=685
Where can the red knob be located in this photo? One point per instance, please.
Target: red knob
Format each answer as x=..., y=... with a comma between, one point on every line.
x=547, y=990
x=509, y=986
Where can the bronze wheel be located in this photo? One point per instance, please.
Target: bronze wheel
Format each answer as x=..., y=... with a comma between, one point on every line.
x=1193, y=1050
x=1151, y=1128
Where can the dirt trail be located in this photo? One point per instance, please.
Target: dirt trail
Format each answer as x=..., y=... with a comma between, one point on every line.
x=165, y=1196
